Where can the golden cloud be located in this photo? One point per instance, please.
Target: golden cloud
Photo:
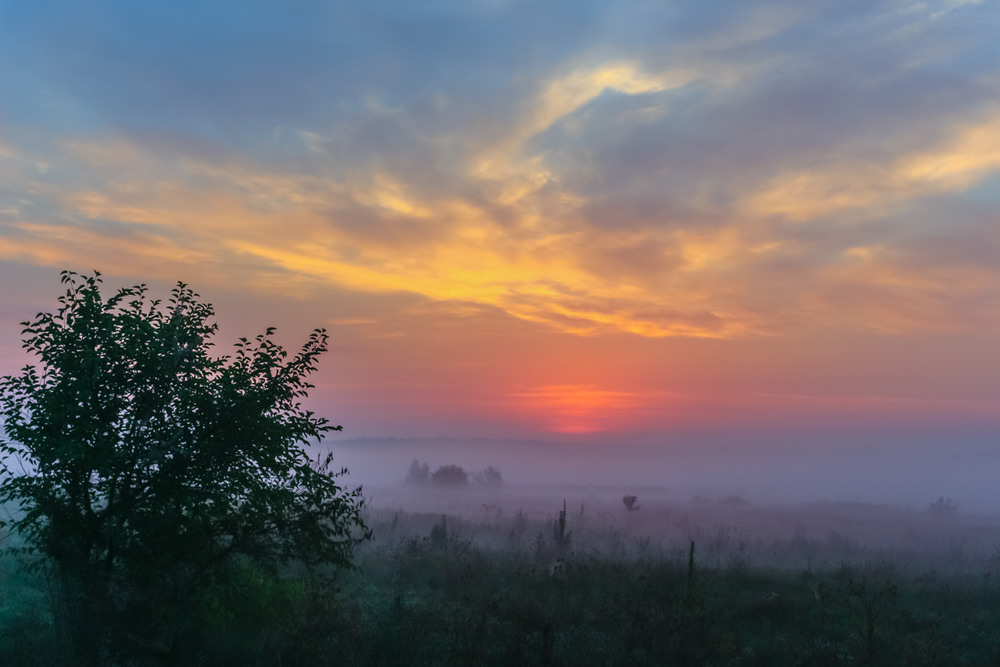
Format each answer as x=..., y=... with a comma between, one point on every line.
x=518, y=249
x=970, y=154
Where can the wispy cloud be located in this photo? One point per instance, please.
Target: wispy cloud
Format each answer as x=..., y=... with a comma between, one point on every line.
x=747, y=171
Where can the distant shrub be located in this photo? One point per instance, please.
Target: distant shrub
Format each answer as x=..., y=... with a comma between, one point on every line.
x=419, y=474
x=943, y=507
x=631, y=503
x=450, y=475
x=489, y=477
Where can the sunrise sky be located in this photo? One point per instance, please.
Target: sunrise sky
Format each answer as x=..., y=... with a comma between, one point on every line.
x=666, y=224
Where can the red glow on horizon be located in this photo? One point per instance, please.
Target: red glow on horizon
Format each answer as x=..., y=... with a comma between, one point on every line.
x=577, y=408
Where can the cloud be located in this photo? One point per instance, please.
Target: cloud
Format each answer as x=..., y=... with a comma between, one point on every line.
x=971, y=154
x=743, y=171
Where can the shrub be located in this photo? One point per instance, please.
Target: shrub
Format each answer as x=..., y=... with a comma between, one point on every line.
x=489, y=477
x=631, y=503
x=450, y=475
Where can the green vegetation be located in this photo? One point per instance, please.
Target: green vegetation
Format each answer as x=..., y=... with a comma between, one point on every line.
x=451, y=591
x=159, y=496
x=434, y=590
x=561, y=539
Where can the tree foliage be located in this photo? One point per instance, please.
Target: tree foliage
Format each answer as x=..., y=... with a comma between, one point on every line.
x=141, y=469
x=450, y=475
x=489, y=477
x=419, y=474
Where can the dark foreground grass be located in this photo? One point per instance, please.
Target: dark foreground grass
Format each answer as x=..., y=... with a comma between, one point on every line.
x=433, y=607
x=442, y=600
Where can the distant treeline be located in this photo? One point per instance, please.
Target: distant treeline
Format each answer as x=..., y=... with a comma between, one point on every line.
x=453, y=476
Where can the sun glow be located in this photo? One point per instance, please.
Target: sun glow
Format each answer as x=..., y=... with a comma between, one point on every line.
x=571, y=408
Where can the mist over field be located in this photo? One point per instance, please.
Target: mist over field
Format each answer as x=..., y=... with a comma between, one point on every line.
x=864, y=467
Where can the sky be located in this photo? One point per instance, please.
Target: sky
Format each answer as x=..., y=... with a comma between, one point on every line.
x=767, y=230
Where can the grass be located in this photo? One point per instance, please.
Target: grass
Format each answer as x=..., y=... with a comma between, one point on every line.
x=487, y=589
x=481, y=608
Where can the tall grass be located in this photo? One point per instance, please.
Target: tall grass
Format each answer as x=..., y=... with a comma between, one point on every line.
x=440, y=588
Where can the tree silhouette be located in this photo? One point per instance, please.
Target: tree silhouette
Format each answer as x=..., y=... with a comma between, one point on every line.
x=144, y=470
x=419, y=474
x=450, y=475
x=489, y=477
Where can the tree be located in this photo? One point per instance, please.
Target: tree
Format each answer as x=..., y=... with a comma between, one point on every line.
x=631, y=503
x=142, y=470
x=450, y=475
x=419, y=474
x=489, y=477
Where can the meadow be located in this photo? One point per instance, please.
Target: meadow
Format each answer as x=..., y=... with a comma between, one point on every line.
x=572, y=576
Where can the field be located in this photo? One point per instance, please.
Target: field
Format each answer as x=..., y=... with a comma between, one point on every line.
x=513, y=578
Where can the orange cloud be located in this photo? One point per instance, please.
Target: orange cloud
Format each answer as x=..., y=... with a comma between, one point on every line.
x=514, y=239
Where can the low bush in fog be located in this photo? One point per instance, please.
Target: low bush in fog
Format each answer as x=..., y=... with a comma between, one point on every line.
x=943, y=507
x=451, y=476
x=631, y=503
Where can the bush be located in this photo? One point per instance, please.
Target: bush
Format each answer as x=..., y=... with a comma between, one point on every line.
x=631, y=503
x=489, y=477
x=943, y=507
x=450, y=475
